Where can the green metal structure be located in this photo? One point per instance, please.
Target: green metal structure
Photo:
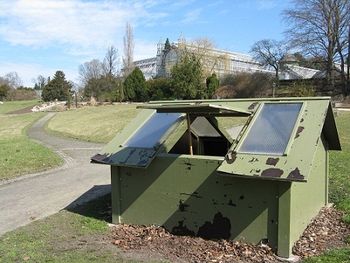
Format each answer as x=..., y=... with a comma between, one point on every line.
x=245, y=169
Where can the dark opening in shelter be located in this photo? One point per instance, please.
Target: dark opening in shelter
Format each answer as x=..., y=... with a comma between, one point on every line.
x=206, y=139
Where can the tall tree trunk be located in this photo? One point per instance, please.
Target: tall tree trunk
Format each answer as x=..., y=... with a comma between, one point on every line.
x=348, y=65
x=342, y=68
x=329, y=67
x=342, y=75
x=277, y=82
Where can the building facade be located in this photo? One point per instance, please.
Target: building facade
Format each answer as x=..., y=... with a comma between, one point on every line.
x=219, y=61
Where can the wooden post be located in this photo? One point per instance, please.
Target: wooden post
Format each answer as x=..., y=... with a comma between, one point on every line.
x=189, y=133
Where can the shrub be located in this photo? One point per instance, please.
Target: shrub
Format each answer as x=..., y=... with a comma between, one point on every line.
x=245, y=85
x=212, y=84
x=135, y=86
x=187, y=78
x=22, y=93
x=302, y=90
x=160, y=88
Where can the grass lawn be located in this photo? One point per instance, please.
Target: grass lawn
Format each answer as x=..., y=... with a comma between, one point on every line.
x=9, y=106
x=339, y=186
x=77, y=236
x=18, y=154
x=341, y=255
x=95, y=124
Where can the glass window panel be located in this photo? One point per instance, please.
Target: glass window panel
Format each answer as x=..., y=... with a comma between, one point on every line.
x=272, y=129
x=151, y=132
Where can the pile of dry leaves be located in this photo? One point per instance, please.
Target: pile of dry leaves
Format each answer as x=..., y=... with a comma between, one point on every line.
x=327, y=230
x=190, y=249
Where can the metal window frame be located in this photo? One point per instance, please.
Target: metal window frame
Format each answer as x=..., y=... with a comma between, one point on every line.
x=161, y=139
x=139, y=127
x=257, y=114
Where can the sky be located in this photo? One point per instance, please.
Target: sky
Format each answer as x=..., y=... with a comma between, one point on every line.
x=39, y=37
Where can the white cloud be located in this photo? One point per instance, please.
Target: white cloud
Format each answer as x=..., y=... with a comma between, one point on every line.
x=180, y=3
x=192, y=16
x=83, y=29
x=144, y=49
x=81, y=26
x=260, y=5
x=29, y=71
x=266, y=4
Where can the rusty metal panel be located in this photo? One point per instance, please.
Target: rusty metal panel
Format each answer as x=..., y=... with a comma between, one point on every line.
x=316, y=118
x=140, y=149
x=133, y=157
x=224, y=197
x=296, y=165
x=185, y=195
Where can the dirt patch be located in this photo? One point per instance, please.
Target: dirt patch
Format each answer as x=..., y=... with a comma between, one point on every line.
x=326, y=231
x=21, y=111
x=187, y=249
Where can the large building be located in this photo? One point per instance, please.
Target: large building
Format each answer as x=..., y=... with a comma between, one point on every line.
x=219, y=61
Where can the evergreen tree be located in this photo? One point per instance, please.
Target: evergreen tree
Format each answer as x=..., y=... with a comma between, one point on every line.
x=212, y=83
x=187, y=78
x=4, y=89
x=135, y=86
x=160, y=88
x=167, y=46
x=57, y=88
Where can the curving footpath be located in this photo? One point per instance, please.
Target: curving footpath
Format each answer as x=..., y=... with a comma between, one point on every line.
x=36, y=196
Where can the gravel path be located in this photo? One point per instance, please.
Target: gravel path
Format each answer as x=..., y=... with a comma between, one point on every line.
x=36, y=196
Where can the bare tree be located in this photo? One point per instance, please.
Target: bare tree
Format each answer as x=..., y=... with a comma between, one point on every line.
x=4, y=81
x=341, y=25
x=204, y=49
x=111, y=62
x=128, y=58
x=13, y=79
x=348, y=63
x=270, y=53
x=318, y=28
x=90, y=70
x=39, y=82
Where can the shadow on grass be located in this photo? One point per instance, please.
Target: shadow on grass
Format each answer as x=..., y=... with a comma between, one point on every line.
x=95, y=203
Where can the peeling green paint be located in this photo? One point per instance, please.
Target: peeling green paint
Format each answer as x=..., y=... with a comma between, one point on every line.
x=234, y=195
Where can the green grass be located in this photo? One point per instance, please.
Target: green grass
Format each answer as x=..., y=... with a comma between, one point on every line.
x=334, y=256
x=95, y=124
x=9, y=106
x=18, y=154
x=339, y=186
x=64, y=237
x=77, y=236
